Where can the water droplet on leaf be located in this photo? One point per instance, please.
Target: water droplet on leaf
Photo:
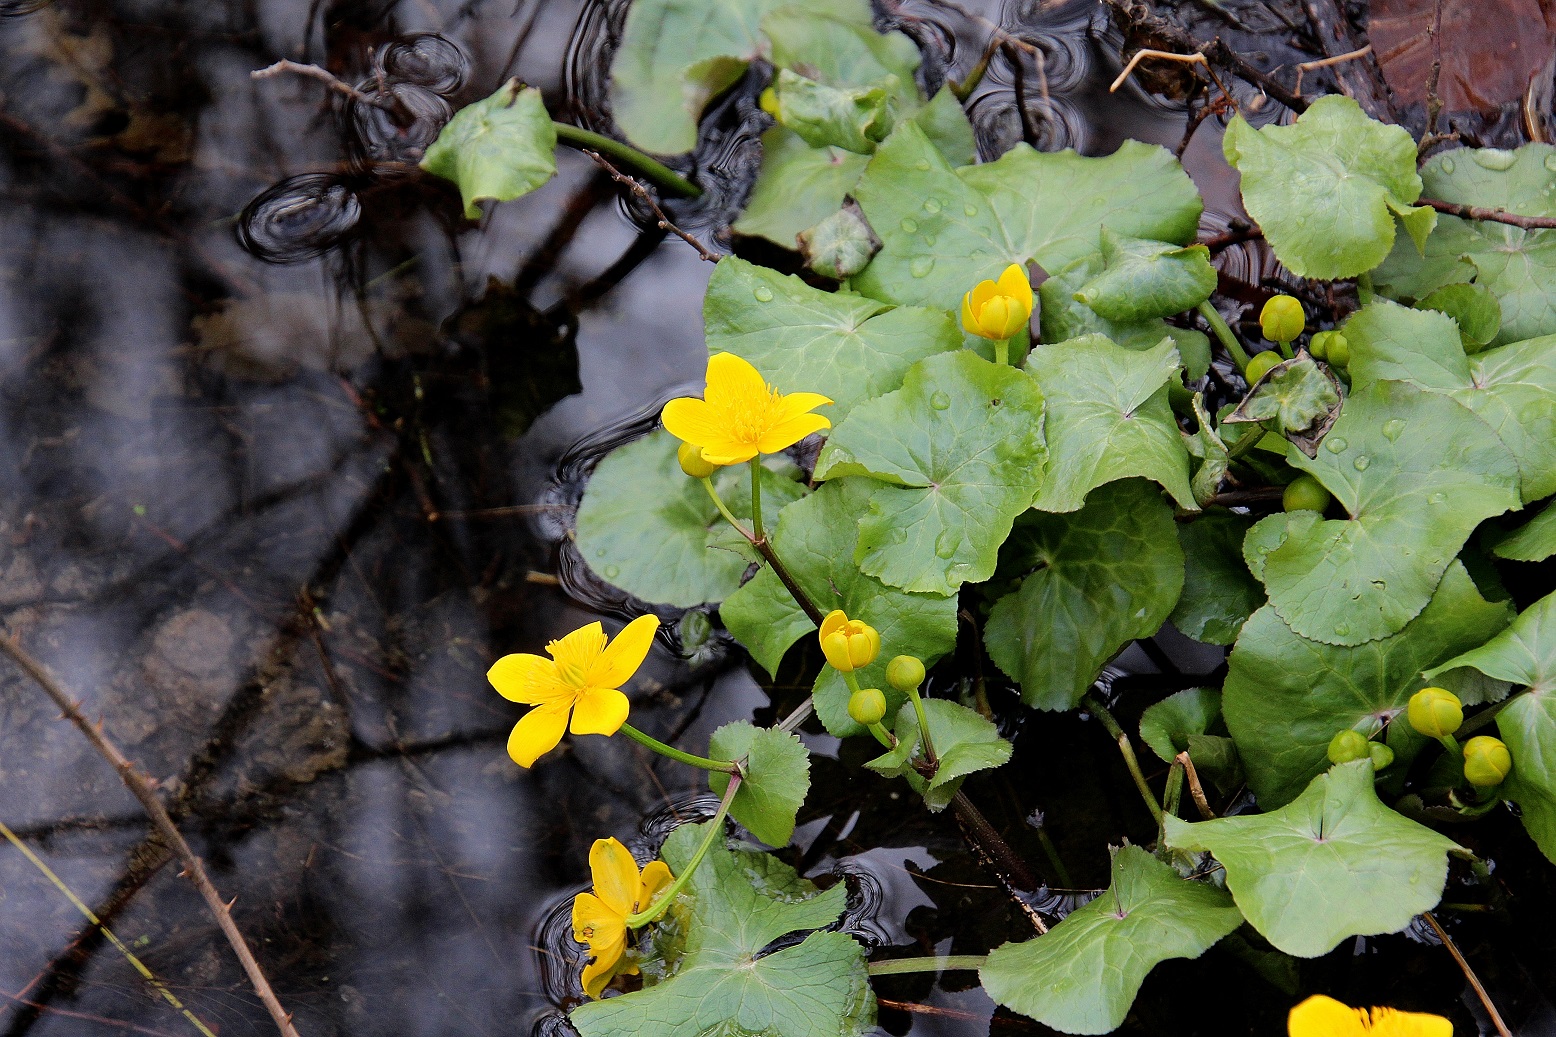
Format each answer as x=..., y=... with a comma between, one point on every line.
x=1361, y=463
x=1448, y=166
x=763, y=293
x=921, y=266
x=1394, y=428
x=611, y=572
x=945, y=544
x=910, y=225
x=1336, y=444
x=972, y=210
x=940, y=401
x=1493, y=158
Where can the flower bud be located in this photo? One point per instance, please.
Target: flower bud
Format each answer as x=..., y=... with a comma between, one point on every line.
x=1259, y=365
x=867, y=706
x=1318, y=345
x=1339, y=350
x=1486, y=761
x=999, y=309
x=1305, y=493
x=768, y=102
x=1381, y=755
x=1346, y=746
x=692, y=463
x=1281, y=319
x=847, y=643
x=1435, y=712
x=905, y=672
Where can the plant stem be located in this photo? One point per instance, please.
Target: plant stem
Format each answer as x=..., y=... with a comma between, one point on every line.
x=656, y=173
x=1481, y=719
x=1249, y=439
x=883, y=736
x=984, y=837
x=1002, y=352
x=756, y=497
x=946, y=963
x=675, y=754
x=715, y=831
x=923, y=729
x=1224, y=335
x=1098, y=710
x=1054, y=860
x=765, y=548
x=718, y=502
x=1452, y=745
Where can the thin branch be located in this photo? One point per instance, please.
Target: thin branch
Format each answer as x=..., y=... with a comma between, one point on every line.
x=1469, y=974
x=1477, y=212
x=1165, y=55
x=142, y=790
x=1196, y=790
x=1236, y=234
x=323, y=75
x=1338, y=59
x=644, y=195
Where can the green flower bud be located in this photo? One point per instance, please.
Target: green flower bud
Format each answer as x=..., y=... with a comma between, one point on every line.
x=1305, y=493
x=768, y=101
x=1281, y=319
x=1346, y=746
x=692, y=463
x=1260, y=363
x=905, y=672
x=1381, y=755
x=1339, y=350
x=867, y=706
x=1435, y=712
x=1486, y=761
x=1318, y=345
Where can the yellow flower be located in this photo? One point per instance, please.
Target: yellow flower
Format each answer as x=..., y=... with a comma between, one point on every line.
x=600, y=918
x=582, y=677
x=999, y=309
x=741, y=416
x=847, y=643
x=1321, y=1016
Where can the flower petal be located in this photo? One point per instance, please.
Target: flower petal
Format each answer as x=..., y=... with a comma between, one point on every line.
x=1391, y=1022
x=601, y=971
x=796, y=403
x=995, y=316
x=834, y=621
x=969, y=321
x=692, y=420
x=982, y=292
x=733, y=382
x=530, y=679
x=790, y=431
x=575, y=653
x=729, y=451
x=1321, y=1016
x=536, y=734
x=615, y=875
x=599, y=711
x=655, y=879
x=624, y=654
x=1014, y=283
x=592, y=916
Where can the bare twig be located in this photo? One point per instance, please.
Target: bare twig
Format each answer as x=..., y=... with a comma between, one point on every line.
x=1338, y=59
x=1434, y=103
x=323, y=75
x=1361, y=79
x=1469, y=974
x=1477, y=212
x=1196, y=790
x=141, y=787
x=647, y=197
x=1235, y=234
x=1165, y=55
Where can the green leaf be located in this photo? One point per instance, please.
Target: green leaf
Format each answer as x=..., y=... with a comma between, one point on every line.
x=1474, y=309
x=1417, y=472
x=1063, y=317
x=1333, y=863
x=943, y=230
x=1517, y=266
x=1297, y=398
x=852, y=118
x=739, y=903
x=1214, y=458
x=1082, y=975
x=1525, y=654
x=1091, y=582
x=1325, y=189
x=961, y=445
x=846, y=347
x=1512, y=388
x=1219, y=593
x=501, y=148
x=816, y=538
x=839, y=246
x=1108, y=418
x=1285, y=697
x=777, y=777
x=1535, y=542
x=1165, y=726
x=836, y=44
x=647, y=528
x=1145, y=279
x=965, y=743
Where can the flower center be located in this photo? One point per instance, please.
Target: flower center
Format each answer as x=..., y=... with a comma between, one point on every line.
x=750, y=417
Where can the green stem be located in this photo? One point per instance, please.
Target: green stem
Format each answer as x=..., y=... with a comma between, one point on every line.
x=1126, y=750
x=923, y=728
x=764, y=548
x=883, y=736
x=1002, y=352
x=1224, y=335
x=1286, y=350
x=1249, y=439
x=656, y=173
x=946, y=963
x=1054, y=860
x=718, y=502
x=1481, y=719
x=756, y=497
x=675, y=754
x=1452, y=745
x=715, y=831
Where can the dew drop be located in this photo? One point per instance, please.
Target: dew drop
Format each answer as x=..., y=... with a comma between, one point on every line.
x=1361, y=463
x=1437, y=498
x=763, y=293
x=1393, y=429
x=929, y=239
x=1493, y=158
x=940, y=401
x=910, y=225
x=1342, y=630
x=1336, y=444
x=972, y=210
x=921, y=266
x=931, y=205
x=945, y=544
x=611, y=572
x=1448, y=166
x=922, y=165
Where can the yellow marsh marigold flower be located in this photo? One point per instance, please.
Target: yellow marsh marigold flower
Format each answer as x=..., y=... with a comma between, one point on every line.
x=847, y=643
x=999, y=309
x=600, y=918
x=1321, y=1016
x=741, y=416
x=583, y=677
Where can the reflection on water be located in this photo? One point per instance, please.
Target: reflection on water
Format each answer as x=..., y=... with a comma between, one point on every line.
x=288, y=453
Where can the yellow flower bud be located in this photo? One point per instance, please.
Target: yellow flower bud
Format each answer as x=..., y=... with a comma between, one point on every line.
x=1347, y=746
x=867, y=706
x=1381, y=755
x=1281, y=319
x=1486, y=761
x=768, y=101
x=1435, y=712
x=905, y=672
x=847, y=643
x=999, y=309
x=690, y=456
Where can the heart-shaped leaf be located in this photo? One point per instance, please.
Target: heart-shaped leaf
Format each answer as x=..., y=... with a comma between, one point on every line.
x=1142, y=279
x=500, y=148
x=777, y=777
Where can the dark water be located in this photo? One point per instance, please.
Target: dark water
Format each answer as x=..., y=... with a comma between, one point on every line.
x=287, y=456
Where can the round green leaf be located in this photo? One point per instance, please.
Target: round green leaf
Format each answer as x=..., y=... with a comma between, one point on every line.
x=1535, y=542
x=965, y=743
x=1219, y=593
x=501, y=148
x=777, y=777
x=1166, y=726
x=1143, y=279
x=1473, y=308
x=1062, y=317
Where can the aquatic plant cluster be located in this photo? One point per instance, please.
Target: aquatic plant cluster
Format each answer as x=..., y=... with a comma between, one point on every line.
x=1072, y=488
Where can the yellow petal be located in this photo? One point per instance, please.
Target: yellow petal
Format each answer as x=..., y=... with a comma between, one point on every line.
x=577, y=652
x=591, y=916
x=599, y=711
x=729, y=451
x=692, y=420
x=615, y=876
x=600, y=972
x=536, y=734
x=656, y=877
x=982, y=292
x=1321, y=1016
x=994, y=316
x=799, y=402
x=1014, y=283
x=835, y=647
x=968, y=320
x=526, y=678
x=832, y=622
x=790, y=431
x=732, y=381
x=625, y=654
x=1390, y=1022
